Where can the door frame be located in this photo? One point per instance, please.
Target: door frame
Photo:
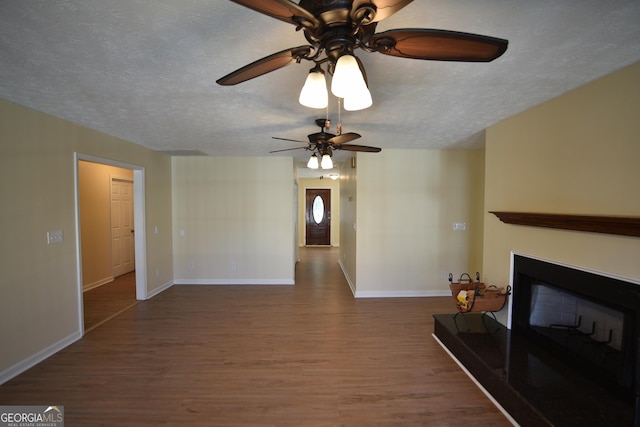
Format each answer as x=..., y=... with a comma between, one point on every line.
x=140, y=237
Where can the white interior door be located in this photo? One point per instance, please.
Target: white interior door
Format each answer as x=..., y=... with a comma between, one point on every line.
x=122, y=237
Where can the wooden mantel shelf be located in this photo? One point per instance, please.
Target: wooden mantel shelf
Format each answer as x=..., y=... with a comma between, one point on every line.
x=620, y=225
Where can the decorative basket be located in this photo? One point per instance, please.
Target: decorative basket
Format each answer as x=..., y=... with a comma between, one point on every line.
x=470, y=296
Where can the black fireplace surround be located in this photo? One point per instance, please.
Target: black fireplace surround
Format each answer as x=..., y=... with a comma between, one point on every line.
x=615, y=369
x=559, y=373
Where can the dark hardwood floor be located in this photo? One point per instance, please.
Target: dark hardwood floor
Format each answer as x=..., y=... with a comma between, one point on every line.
x=303, y=355
x=103, y=303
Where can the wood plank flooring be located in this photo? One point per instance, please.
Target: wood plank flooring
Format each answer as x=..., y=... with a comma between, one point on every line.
x=101, y=304
x=303, y=355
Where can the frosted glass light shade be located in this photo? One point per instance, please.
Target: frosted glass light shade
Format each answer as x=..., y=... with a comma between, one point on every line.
x=313, y=162
x=326, y=162
x=346, y=77
x=314, y=93
x=358, y=100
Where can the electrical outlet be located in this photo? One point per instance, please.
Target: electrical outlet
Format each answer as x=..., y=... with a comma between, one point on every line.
x=459, y=225
x=233, y=266
x=55, y=236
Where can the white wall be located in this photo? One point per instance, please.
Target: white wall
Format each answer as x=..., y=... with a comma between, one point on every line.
x=233, y=220
x=407, y=202
x=40, y=291
x=348, y=218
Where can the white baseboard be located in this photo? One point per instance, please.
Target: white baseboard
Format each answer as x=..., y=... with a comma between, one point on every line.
x=152, y=293
x=38, y=357
x=270, y=282
x=346, y=276
x=389, y=294
x=401, y=294
x=97, y=283
x=476, y=382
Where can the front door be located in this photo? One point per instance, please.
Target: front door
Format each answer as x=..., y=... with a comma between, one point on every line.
x=318, y=216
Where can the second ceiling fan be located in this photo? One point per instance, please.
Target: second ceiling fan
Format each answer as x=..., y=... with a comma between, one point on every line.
x=324, y=143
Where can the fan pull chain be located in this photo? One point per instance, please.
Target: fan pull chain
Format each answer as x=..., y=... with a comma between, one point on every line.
x=339, y=126
x=327, y=122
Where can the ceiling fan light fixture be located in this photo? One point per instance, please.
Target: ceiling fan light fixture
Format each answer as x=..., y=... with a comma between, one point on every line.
x=347, y=76
x=314, y=93
x=313, y=162
x=326, y=162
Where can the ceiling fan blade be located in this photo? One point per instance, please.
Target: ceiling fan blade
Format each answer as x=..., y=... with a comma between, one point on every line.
x=363, y=148
x=438, y=45
x=384, y=8
x=287, y=139
x=287, y=149
x=345, y=137
x=284, y=10
x=265, y=65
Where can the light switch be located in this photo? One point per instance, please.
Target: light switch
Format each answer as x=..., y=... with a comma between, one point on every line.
x=54, y=236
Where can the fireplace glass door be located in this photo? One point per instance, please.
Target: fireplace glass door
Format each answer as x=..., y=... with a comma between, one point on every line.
x=587, y=320
x=587, y=330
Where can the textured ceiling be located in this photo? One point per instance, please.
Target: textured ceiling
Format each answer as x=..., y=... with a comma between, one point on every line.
x=146, y=71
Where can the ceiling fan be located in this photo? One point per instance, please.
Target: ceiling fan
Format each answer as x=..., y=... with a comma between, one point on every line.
x=335, y=28
x=324, y=143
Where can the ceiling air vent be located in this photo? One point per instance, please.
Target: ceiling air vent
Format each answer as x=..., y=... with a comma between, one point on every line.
x=183, y=152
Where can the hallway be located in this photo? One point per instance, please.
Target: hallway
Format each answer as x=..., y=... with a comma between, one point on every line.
x=303, y=355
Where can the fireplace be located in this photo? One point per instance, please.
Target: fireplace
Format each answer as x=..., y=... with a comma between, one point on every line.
x=586, y=319
x=570, y=355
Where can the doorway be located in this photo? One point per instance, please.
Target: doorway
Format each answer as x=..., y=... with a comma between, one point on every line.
x=318, y=217
x=125, y=264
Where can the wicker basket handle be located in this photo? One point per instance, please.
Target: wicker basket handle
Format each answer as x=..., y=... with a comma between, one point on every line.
x=467, y=279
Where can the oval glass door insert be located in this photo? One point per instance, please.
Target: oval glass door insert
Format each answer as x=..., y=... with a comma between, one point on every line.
x=318, y=209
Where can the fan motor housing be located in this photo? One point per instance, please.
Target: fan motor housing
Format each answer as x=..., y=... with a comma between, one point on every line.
x=338, y=33
x=316, y=7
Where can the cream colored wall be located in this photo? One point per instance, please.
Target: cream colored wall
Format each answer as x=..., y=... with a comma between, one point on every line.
x=407, y=202
x=310, y=183
x=94, y=185
x=578, y=153
x=233, y=220
x=348, y=215
x=40, y=290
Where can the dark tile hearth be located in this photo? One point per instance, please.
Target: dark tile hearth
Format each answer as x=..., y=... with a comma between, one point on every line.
x=534, y=387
